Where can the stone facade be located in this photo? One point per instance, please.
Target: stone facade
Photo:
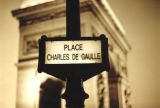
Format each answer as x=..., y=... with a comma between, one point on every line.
x=109, y=89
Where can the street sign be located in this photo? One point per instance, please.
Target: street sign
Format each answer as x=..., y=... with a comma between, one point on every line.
x=74, y=58
x=87, y=56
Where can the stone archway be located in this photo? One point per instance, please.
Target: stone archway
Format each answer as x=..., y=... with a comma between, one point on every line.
x=50, y=92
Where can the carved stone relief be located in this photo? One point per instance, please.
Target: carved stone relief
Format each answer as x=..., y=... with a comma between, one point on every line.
x=30, y=42
x=101, y=89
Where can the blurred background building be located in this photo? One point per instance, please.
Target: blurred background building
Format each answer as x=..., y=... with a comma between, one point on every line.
x=22, y=87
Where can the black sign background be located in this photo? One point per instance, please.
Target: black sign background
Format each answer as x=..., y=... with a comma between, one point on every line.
x=83, y=71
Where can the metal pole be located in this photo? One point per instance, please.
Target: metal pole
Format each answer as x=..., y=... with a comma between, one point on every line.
x=74, y=93
x=73, y=19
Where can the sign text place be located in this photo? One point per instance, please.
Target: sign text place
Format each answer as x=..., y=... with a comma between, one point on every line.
x=73, y=52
